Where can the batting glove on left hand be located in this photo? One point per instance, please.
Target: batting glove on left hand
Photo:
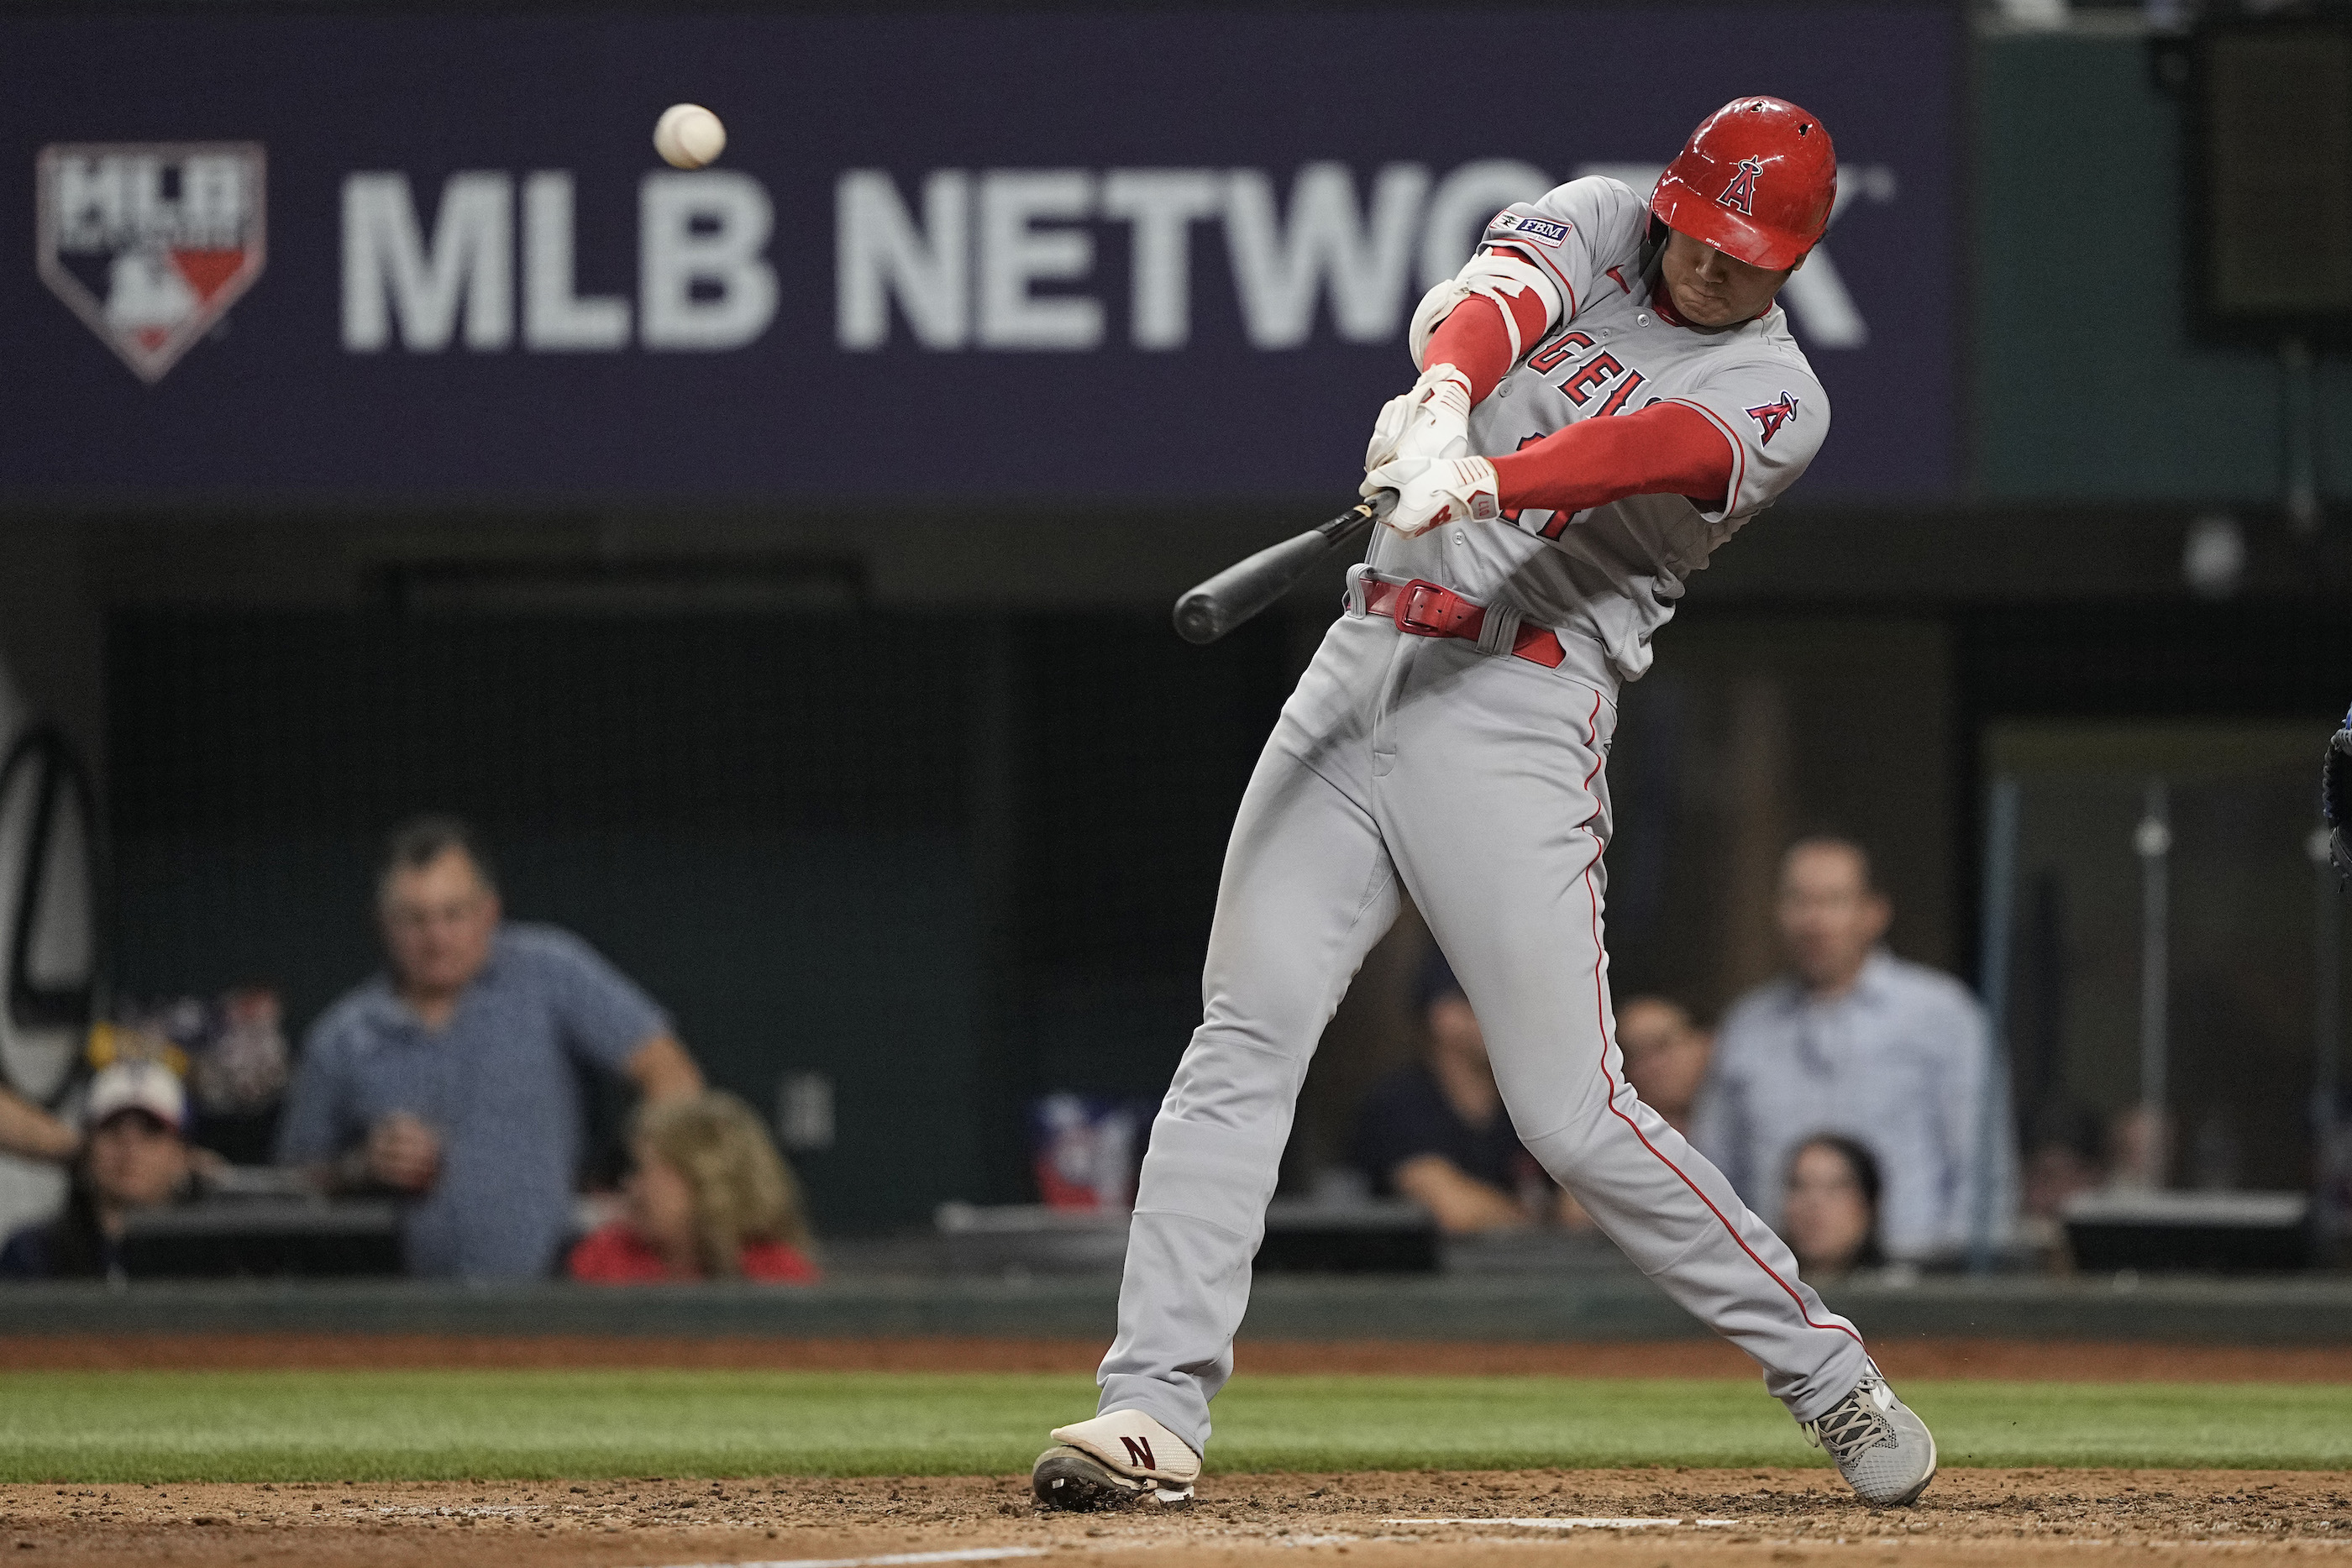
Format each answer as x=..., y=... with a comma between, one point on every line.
x=1431, y=491
x=1432, y=420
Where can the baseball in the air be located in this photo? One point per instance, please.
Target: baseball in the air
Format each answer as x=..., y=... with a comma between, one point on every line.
x=688, y=136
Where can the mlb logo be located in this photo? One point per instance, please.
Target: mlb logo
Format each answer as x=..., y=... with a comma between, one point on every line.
x=150, y=242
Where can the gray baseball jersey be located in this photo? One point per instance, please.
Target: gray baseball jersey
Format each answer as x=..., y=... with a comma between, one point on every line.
x=1473, y=781
x=1615, y=571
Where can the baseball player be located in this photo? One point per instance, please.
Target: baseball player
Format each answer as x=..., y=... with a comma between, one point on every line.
x=1608, y=391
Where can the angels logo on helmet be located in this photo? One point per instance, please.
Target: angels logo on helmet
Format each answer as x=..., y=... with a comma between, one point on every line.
x=150, y=242
x=1742, y=193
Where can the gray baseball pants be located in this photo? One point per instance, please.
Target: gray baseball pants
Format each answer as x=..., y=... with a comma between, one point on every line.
x=1474, y=781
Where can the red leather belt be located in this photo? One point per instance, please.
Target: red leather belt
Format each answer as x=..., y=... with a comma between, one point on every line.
x=1422, y=609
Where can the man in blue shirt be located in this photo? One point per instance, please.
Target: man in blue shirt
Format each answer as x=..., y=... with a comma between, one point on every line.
x=1856, y=1041
x=449, y=1078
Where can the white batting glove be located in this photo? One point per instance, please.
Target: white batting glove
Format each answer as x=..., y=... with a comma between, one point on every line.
x=1432, y=420
x=1431, y=491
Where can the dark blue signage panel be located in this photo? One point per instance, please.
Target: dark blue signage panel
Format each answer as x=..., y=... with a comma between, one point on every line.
x=1148, y=257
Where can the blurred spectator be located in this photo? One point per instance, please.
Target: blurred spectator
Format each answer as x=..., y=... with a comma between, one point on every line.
x=1436, y=1132
x=31, y=1133
x=2139, y=1148
x=708, y=1199
x=136, y=1157
x=2063, y=1142
x=1666, y=1056
x=1831, y=1217
x=1858, y=1043
x=450, y=1079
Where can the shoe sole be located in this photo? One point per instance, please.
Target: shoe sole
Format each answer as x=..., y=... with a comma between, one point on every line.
x=1070, y=1480
x=1908, y=1498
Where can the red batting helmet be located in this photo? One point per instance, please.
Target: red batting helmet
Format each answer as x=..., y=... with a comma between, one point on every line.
x=1756, y=181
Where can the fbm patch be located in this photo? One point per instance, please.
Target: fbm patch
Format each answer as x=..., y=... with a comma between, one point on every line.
x=150, y=242
x=1543, y=231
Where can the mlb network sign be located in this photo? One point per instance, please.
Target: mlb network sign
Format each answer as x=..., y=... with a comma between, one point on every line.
x=966, y=267
x=929, y=265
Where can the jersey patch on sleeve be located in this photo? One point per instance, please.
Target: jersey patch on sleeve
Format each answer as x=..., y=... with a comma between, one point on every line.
x=1543, y=231
x=1771, y=416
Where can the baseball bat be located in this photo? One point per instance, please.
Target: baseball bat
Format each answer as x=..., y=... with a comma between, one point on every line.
x=1215, y=607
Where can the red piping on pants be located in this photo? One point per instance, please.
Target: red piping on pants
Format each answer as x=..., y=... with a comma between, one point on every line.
x=1592, y=739
x=1599, y=990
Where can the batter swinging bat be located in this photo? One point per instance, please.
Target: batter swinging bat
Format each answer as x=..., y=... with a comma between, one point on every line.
x=1248, y=586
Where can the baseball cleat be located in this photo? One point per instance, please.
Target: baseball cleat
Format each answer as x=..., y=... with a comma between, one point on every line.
x=1884, y=1451
x=1114, y=1461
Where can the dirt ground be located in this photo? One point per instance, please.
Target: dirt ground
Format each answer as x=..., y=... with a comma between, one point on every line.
x=1726, y=1518
x=2062, y=1361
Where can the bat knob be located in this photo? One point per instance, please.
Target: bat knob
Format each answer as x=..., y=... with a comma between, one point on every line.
x=1198, y=619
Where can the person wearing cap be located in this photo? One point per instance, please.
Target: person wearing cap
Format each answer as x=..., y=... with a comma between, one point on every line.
x=452, y=1080
x=135, y=1157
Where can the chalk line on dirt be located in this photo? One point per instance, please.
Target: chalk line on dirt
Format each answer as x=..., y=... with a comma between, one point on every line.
x=970, y=1554
x=1569, y=1523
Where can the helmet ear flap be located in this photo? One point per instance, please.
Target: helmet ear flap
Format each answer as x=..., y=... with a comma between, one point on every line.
x=1652, y=253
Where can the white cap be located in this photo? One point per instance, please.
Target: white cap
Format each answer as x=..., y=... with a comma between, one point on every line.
x=148, y=1086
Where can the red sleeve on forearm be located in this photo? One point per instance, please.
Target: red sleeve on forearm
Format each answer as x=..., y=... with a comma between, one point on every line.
x=1473, y=339
x=1666, y=449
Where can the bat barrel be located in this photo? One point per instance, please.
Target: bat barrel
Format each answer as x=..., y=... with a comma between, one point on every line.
x=1243, y=589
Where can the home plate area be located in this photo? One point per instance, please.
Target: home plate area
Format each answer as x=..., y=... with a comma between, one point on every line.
x=1636, y=1517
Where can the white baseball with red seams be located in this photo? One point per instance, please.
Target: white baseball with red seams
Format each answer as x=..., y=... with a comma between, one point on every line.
x=1474, y=780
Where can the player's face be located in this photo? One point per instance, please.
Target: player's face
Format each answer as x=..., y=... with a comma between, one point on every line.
x=1712, y=289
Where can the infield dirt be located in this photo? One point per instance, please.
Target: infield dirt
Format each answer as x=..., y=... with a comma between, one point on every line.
x=1775, y=1517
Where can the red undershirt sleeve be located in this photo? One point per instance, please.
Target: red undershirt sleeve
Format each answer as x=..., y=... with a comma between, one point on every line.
x=1472, y=338
x=1665, y=450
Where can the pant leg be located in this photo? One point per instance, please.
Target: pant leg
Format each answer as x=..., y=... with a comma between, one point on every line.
x=1495, y=809
x=1308, y=889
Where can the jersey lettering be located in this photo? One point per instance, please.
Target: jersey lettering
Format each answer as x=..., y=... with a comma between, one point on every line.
x=1771, y=416
x=1740, y=194
x=1617, y=399
x=1598, y=369
x=1548, y=358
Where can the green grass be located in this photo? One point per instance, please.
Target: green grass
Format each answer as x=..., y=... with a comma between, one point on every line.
x=422, y=1425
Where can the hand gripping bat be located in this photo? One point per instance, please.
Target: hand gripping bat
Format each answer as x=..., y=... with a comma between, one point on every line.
x=1214, y=608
